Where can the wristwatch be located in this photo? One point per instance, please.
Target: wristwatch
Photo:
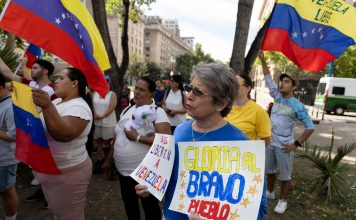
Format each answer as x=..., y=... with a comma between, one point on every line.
x=297, y=144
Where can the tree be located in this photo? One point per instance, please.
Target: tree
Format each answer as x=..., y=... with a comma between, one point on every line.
x=116, y=72
x=241, y=33
x=124, y=8
x=185, y=62
x=137, y=66
x=153, y=71
x=345, y=65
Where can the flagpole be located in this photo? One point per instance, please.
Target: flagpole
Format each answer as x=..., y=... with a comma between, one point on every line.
x=330, y=73
x=18, y=67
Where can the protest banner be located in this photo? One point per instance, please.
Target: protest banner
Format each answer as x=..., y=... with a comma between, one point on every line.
x=220, y=179
x=156, y=168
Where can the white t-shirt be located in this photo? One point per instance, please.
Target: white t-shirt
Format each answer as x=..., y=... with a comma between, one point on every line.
x=129, y=154
x=100, y=105
x=46, y=88
x=174, y=102
x=71, y=153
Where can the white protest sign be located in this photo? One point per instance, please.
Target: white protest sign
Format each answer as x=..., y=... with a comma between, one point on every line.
x=156, y=168
x=220, y=179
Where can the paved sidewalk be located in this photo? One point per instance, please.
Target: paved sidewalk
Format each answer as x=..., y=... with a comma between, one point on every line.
x=344, y=126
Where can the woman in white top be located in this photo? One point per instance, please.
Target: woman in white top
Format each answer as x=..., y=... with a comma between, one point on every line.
x=105, y=119
x=174, y=102
x=130, y=148
x=67, y=122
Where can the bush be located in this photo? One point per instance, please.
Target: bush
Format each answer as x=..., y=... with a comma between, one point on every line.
x=330, y=183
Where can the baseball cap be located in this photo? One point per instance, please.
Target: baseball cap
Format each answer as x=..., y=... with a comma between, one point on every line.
x=290, y=76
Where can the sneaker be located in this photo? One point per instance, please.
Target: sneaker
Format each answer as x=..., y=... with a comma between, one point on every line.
x=270, y=195
x=37, y=196
x=281, y=206
x=34, y=182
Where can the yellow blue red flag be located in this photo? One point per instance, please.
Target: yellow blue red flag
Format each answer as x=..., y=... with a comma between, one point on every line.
x=64, y=28
x=33, y=53
x=31, y=142
x=311, y=33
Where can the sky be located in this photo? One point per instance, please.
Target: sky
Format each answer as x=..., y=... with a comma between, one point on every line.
x=211, y=22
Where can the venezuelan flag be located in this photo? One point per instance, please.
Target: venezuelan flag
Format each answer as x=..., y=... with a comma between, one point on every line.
x=64, y=28
x=31, y=143
x=33, y=53
x=311, y=33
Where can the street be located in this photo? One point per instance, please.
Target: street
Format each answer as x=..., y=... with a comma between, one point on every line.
x=344, y=126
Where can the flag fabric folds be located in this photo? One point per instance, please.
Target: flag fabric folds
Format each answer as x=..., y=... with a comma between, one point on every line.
x=31, y=143
x=33, y=53
x=64, y=28
x=311, y=33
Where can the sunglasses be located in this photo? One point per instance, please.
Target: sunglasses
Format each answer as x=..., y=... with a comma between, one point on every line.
x=195, y=90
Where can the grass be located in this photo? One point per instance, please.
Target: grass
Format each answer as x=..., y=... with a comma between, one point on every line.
x=104, y=201
x=302, y=203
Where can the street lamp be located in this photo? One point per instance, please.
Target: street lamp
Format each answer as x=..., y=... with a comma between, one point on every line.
x=172, y=60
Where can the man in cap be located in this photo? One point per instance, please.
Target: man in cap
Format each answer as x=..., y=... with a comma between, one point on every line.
x=279, y=154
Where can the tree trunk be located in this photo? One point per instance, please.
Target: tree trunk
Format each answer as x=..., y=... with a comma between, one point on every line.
x=241, y=33
x=116, y=72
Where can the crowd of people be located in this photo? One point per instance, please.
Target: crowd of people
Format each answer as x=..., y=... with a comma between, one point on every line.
x=214, y=106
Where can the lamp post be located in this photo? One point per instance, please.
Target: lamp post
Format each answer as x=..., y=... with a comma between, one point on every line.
x=172, y=60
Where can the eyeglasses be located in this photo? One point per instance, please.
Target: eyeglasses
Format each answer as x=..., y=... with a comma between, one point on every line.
x=195, y=90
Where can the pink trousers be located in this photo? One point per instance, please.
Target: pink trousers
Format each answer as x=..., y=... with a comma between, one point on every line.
x=66, y=193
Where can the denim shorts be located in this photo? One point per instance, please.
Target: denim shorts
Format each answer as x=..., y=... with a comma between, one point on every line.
x=276, y=157
x=7, y=176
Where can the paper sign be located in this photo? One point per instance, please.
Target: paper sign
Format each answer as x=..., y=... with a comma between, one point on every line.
x=220, y=179
x=156, y=168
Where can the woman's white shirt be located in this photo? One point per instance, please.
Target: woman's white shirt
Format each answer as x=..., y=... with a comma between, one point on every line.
x=71, y=153
x=100, y=106
x=174, y=102
x=129, y=154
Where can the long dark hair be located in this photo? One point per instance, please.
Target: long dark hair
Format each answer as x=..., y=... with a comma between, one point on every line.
x=75, y=74
x=248, y=83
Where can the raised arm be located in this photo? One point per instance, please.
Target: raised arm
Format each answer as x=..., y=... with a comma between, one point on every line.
x=7, y=73
x=272, y=87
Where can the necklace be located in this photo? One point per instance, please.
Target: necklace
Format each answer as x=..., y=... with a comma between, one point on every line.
x=219, y=125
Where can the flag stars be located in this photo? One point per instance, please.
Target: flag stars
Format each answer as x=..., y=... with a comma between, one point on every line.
x=305, y=34
x=80, y=36
x=320, y=29
x=82, y=46
x=58, y=21
x=295, y=35
x=321, y=36
x=63, y=16
x=313, y=31
x=76, y=26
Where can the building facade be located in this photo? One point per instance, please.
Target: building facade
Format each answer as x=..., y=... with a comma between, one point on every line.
x=161, y=45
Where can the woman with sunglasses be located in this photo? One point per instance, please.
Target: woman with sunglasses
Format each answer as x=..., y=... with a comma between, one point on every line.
x=210, y=97
x=174, y=102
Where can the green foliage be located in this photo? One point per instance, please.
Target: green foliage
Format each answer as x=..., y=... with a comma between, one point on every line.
x=330, y=183
x=153, y=71
x=114, y=7
x=185, y=62
x=345, y=65
x=9, y=57
x=137, y=66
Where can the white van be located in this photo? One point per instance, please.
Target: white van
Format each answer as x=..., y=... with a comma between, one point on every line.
x=336, y=95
